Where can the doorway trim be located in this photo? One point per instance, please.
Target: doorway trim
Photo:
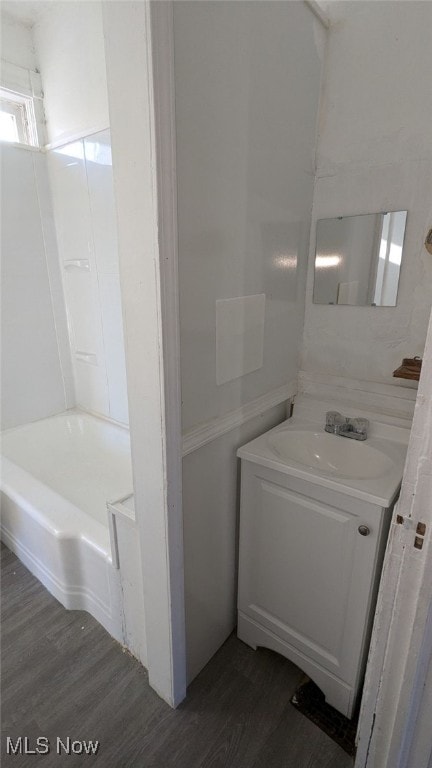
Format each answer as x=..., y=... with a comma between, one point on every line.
x=396, y=708
x=139, y=58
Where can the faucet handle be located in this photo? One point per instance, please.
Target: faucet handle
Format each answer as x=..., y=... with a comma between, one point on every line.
x=334, y=418
x=359, y=425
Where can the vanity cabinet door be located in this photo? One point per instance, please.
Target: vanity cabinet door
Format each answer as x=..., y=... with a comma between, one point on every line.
x=306, y=572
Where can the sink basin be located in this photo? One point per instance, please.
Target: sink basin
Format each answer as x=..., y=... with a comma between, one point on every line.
x=370, y=470
x=331, y=454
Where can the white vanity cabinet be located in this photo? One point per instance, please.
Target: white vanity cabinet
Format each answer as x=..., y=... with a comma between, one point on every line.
x=309, y=566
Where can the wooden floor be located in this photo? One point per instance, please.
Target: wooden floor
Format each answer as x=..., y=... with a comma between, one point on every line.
x=62, y=675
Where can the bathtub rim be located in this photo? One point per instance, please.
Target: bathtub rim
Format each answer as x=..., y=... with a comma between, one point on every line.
x=100, y=598
x=60, y=517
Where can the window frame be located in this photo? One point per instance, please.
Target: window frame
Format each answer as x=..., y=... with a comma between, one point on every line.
x=22, y=107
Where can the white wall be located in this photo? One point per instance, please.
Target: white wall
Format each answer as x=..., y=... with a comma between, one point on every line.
x=17, y=43
x=374, y=153
x=36, y=375
x=70, y=53
x=247, y=79
x=210, y=502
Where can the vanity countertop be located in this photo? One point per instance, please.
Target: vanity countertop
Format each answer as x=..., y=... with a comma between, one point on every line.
x=370, y=470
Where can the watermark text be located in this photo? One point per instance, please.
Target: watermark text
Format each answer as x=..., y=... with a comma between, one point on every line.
x=42, y=745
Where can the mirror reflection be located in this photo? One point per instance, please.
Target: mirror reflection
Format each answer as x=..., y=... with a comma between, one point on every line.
x=358, y=259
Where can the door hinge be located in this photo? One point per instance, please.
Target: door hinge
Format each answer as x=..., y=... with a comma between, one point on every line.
x=419, y=539
x=420, y=529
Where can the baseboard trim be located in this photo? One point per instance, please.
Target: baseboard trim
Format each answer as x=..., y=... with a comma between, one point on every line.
x=211, y=430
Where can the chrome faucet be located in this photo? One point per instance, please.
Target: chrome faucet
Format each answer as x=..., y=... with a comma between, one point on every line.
x=356, y=428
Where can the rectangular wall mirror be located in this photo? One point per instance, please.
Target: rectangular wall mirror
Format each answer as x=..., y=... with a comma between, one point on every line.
x=358, y=259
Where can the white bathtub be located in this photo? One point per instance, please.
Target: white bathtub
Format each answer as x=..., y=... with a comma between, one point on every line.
x=57, y=476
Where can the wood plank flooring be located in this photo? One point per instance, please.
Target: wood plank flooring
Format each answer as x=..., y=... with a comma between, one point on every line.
x=63, y=675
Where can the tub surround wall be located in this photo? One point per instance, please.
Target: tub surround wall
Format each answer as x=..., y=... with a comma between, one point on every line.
x=66, y=43
x=374, y=154
x=81, y=177
x=247, y=79
x=36, y=368
x=70, y=51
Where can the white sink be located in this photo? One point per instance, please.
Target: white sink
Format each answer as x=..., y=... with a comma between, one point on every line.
x=331, y=454
x=370, y=470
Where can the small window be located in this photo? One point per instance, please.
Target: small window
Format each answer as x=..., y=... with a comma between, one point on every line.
x=17, y=118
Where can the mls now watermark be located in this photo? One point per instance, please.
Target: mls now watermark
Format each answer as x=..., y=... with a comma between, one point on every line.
x=42, y=746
